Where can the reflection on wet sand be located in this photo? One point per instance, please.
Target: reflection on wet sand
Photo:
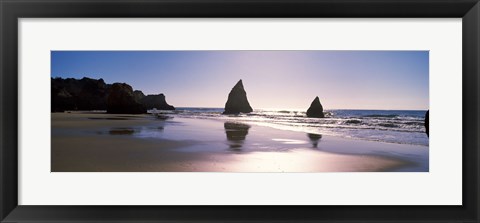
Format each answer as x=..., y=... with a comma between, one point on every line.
x=236, y=134
x=314, y=139
x=121, y=131
x=81, y=144
x=163, y=117
x=111, y=118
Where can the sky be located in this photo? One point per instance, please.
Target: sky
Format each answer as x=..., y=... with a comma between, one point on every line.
x=272, y=79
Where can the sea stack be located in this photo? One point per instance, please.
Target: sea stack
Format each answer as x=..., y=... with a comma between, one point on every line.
x=316, y=109
x=426, y=122
x=237, y=100
x=121, y=100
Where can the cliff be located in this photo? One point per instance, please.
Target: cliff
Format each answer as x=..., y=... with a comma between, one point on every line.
x=90, y=94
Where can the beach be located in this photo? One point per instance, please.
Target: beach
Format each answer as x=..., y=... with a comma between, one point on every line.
x=99, y=142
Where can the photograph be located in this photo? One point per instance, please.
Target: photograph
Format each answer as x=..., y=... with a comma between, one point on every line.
x=240, y=111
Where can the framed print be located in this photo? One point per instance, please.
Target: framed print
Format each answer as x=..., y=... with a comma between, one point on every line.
x=288, y=111
x=267, y=139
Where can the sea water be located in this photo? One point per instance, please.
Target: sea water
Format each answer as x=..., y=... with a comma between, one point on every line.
x=392, y=126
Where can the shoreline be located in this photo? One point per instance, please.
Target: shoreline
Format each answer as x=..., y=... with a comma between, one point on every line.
x=96, y=142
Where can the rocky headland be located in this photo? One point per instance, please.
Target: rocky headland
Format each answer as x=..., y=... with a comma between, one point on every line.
x=157, y=101
x=121, y=100
x=88, y=94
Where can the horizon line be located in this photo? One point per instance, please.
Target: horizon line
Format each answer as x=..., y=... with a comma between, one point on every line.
x=307, y=108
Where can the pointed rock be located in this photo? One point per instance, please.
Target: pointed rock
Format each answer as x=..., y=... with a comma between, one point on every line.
x=237, y=100
x=316, y=109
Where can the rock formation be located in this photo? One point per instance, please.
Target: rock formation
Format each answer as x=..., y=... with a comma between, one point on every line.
x=90, y=94
x=62, y=100
x=156, y=101
x=138, y=95
x=78, y=94
x=93, y=95
x=426, y=122
x=121, y=100
x=237, y=101
x=315, y=110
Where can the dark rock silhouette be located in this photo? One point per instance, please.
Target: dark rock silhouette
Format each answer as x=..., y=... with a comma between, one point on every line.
x=156, y=101
x=237, y=100
x=121, y=100
x=426, y=122
x=236, y=134
x=315, y=110
x=152, y=101
x=78, y=94
x=138, y=95
x=91, y=94
x=62, y=100
x=314, y=139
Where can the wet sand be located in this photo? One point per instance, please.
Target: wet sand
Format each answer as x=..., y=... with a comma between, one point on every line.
x=94, y=142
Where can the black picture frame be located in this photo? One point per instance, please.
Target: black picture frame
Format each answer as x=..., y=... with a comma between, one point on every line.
x=12, y=10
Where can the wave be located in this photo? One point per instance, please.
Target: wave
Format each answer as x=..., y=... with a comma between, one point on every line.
x=405, y=127
x=381, y=116
x=353, y=121
x=389, y=125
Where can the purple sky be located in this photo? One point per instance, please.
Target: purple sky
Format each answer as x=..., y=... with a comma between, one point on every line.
x=272, y=79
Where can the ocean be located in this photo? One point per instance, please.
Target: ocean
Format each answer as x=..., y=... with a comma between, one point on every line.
x=391, y=126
